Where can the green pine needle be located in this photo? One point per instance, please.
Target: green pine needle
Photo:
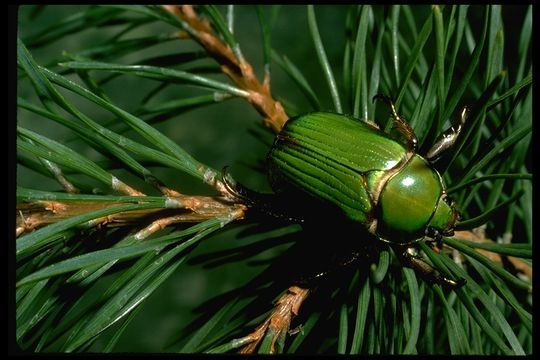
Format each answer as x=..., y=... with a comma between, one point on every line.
x=88, y=112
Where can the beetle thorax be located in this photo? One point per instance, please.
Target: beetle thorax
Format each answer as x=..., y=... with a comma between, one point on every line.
x=408, y=202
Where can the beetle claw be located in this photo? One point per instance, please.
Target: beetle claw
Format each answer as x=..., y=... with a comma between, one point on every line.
x=230, y=184
x=401, y=131
x=260, y=202
x=448, y=138
x=453, y=284
x=237, y=191
x=435, y=242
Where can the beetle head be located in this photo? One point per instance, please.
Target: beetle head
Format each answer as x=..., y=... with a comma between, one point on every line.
x=444, y=218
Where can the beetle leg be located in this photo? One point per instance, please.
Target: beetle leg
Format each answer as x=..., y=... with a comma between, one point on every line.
x=426, y=271
x=401, y=130
x=435, y=244
x=434, y=240
x=237, y=191
x=247, y=196
x=448, y=138
x=263, y=203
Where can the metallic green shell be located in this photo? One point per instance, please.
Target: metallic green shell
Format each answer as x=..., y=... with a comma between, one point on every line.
x=335, y=158
x=409, y=200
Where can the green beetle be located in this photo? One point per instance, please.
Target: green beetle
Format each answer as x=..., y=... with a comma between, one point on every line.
x=374, y=178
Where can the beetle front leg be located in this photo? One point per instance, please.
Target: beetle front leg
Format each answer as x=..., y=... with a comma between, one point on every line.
x=448, y=138
x=427, y=272
x=401, y=131
x=259, y=202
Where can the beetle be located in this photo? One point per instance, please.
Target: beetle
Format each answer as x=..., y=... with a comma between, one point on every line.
x=374, y=178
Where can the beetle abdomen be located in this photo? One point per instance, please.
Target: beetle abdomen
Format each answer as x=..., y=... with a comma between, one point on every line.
x=330, y=156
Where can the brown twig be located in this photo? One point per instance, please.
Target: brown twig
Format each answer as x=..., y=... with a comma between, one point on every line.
x=34, y=215
x=478, y=235
x=237, y=69
x=278, y=322
x=124, y=188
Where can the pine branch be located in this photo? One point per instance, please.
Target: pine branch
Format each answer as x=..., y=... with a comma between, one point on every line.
x=67, y=242
x=269, y=336
x=176, y=209
x=233, y=65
